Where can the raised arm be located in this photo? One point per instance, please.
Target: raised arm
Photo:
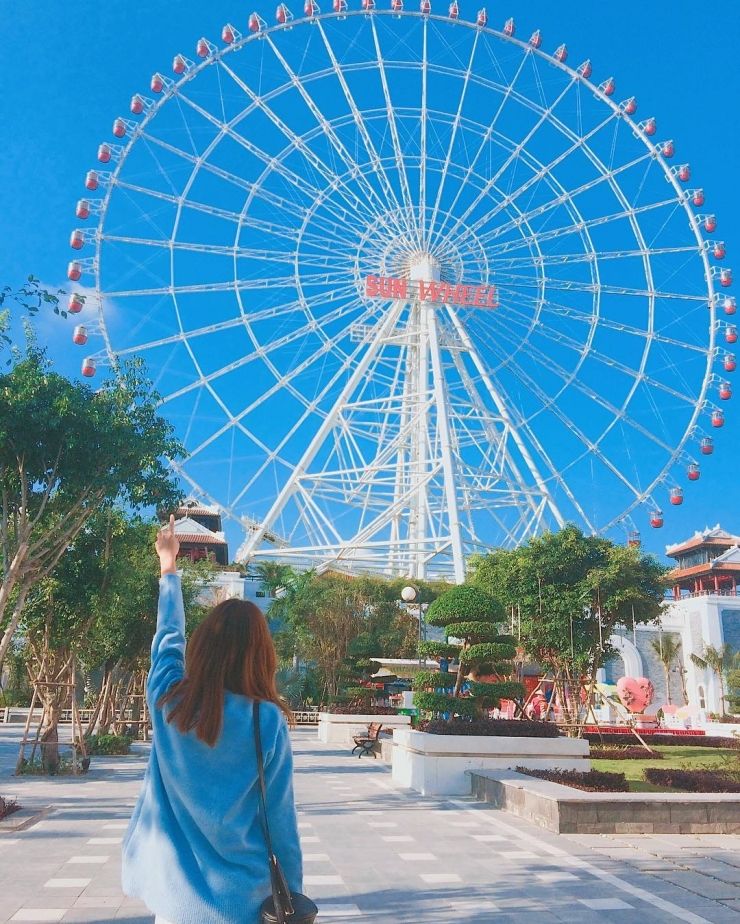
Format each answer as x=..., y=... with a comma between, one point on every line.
x=168, y=646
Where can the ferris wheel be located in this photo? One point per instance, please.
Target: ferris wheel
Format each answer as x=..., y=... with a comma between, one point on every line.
x=409, y=286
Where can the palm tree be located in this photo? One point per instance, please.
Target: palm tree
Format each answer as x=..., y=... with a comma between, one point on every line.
x=718, y=661
x=667, y=648
x=274, y=575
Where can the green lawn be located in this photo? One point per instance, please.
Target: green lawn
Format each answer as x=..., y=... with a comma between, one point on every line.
x=685, y=758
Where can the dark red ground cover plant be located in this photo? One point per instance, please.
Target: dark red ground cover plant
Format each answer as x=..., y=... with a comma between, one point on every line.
x=587, y=780
x=515, y=728
x=693, y=780
x=7, y=807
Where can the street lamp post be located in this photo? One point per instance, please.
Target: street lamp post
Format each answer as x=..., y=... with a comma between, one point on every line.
x=409, y=595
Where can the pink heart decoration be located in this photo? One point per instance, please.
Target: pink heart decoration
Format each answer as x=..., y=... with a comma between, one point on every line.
x=635, y=693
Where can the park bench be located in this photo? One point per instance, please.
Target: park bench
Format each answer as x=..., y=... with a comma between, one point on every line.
x=365, y=744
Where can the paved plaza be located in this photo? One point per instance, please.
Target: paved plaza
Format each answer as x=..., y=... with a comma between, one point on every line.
x=372, y=853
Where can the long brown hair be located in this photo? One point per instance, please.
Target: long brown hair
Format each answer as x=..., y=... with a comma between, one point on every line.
x=232, y=650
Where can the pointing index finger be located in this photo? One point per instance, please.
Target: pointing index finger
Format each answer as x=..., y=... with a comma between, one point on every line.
x=172, y=524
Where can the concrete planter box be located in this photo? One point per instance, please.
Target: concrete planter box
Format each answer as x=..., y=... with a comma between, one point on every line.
x=335, y=728
x=571, y=811
x=721, y=730
x=438, y=764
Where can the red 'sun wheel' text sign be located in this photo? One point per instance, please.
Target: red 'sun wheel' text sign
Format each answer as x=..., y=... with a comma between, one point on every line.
x=443, y=293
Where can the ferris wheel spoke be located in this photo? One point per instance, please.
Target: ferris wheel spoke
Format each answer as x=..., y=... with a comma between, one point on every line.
x=494, y=250
x=453, y=134
x=248, y=253
x=390, y=111
x=605, y=176
x=577, y=286
x=590, y=446
x=357, y=173
x=260, y=352
x=282, y=382
x=423, y=138
x=359, y=121
x=638, y=375
x=519, y=428
x=286, y=206
x=546, y=115
x=508, y=92
x=560, y=310
x=555, y=259
x=296, y=142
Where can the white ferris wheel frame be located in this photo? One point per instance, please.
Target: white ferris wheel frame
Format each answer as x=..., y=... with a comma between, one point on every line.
x=430, y=456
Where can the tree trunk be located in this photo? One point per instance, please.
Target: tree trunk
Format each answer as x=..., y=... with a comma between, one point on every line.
x=667, y=672
x=50, y=758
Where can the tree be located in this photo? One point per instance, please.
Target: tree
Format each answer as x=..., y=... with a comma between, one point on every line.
x=733, y=685
x=568, y=593
x=29, y=299
x=275, y=576
x=668, y=650
x=336, y=623
x=718, y=661
x=98, y=608
x=67, y=451
x=474, y=618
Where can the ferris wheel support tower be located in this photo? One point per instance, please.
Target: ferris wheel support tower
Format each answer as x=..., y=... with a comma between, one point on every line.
x=436, y=480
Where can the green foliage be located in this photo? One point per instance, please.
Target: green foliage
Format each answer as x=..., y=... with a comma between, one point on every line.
x=565, y=580
x=434, y=679
x=438, y=650
x=337, y=623
x=471, y=615
x=733, y=691
x=464, y=604
x=438, y=703
x=108, y=744
x=66, y=454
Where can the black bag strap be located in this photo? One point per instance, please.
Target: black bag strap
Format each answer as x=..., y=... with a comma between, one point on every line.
x=280, y=891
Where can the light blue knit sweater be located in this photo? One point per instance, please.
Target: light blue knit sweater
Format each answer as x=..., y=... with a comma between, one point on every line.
x=194, y=851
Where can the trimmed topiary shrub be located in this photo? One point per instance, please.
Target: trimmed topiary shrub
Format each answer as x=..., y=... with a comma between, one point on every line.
x=588, y=780
x=693, y=780
x=515, y=728
x=468, y=614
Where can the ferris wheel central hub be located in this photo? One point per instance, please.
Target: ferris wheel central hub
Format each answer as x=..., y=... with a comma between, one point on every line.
x=424, y=267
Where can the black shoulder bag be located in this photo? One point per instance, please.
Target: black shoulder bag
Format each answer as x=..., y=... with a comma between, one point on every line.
x=283, y=906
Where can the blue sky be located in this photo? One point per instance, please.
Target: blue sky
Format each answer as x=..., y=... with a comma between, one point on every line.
x=70, y=70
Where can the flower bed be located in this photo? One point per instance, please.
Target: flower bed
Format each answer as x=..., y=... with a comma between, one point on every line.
x=512, y=728
x=588, y=781
x=7, y=807
x=624, y=753
x=693, y=780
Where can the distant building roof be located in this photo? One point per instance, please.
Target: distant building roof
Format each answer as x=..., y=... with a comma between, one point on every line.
x=708, y=536
x=188, y=530
x=192, y=506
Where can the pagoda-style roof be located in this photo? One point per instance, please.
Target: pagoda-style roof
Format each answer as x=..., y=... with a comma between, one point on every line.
x=716, y=536
x=194, y=507
x=191, y=531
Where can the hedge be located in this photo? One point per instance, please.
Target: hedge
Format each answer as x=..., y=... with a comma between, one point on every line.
x=493, y=693
x=515, y=728
x=438, y=650
x=588, y=780
x=488, y=651
x=693, y=780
